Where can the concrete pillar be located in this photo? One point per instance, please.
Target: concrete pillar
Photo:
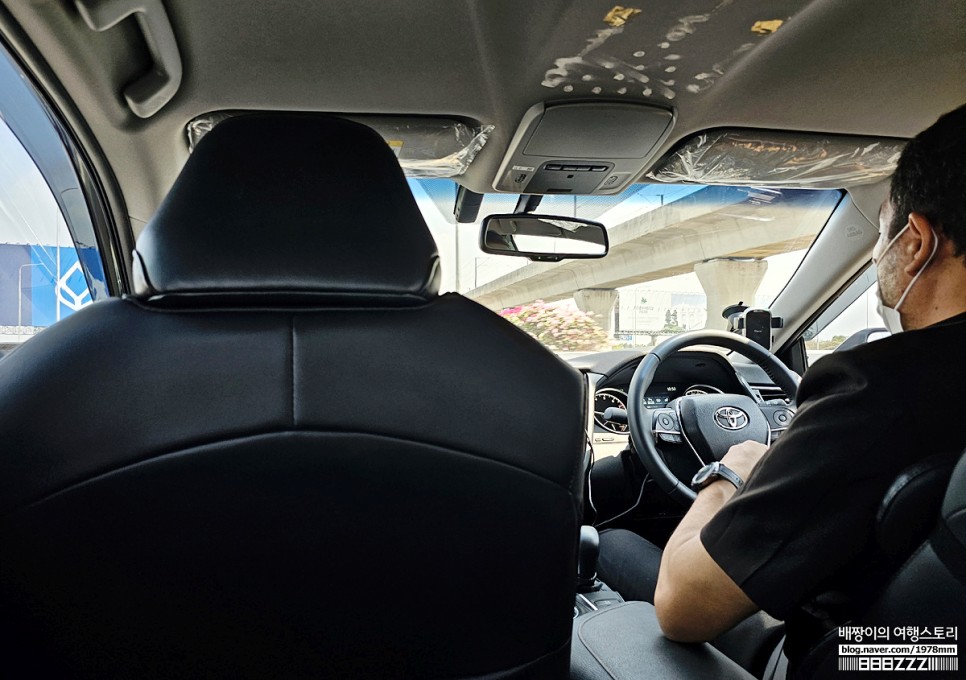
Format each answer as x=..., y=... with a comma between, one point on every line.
x=600, y=302
x=728, y=282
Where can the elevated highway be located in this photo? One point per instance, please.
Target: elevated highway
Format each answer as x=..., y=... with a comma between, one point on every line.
x=715, y=224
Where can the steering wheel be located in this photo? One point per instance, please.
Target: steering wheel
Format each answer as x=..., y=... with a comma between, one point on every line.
x=709, y=424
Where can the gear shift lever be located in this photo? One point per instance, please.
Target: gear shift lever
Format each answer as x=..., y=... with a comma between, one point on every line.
x=587, y=559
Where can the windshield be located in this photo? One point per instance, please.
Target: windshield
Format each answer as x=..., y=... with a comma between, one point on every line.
x=679, y=254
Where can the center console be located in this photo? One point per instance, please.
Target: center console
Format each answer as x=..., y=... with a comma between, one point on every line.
x=596, y=600
x=625, y=642
x=592, y=594
x=617, y=640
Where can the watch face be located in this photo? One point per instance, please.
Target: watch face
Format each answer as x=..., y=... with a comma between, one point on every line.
x=703, y=475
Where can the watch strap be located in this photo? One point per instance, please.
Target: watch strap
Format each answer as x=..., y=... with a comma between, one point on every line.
x=713, y=472
x=725, y=472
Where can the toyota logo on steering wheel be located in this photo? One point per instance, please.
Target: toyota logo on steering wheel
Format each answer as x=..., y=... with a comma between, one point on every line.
x=730, y=418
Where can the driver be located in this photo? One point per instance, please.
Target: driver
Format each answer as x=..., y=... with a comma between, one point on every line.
x=801, y=526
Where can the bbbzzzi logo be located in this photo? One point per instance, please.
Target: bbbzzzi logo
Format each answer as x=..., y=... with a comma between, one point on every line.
x=901, y=648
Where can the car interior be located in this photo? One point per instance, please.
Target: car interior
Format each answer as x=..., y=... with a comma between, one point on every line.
x=316, y=320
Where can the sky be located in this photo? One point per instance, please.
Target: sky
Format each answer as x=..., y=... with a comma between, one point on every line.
x=28, y=211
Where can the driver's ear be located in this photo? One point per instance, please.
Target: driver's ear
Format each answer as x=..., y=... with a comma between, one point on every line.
x=922, y=243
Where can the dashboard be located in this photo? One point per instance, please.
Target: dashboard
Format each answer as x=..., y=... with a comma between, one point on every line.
x=685, y=373
x=658, y=395
x=690, y=371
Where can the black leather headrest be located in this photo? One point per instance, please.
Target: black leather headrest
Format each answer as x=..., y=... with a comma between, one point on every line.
x=954, y=504
x=288, y=209
x=909, y=508
x=949, y=541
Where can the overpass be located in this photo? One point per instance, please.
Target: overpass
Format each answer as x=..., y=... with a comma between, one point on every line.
x=720, y=233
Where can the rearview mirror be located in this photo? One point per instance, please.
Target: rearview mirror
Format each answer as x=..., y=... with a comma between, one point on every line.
x=543, y=238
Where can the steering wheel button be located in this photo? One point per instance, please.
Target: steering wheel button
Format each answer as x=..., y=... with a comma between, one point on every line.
x=665, y=421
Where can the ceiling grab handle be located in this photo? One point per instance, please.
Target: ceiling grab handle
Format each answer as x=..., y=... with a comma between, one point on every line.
x=149, y=93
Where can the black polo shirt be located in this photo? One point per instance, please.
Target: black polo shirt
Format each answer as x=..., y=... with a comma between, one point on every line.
x=803, y=524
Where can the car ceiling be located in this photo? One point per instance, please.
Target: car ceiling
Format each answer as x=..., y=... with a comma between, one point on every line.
x=858, y=67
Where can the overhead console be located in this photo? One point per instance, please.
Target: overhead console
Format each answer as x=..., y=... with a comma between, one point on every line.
x=582, y=148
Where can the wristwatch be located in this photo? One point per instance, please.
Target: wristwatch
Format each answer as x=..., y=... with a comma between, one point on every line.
x=713, y=472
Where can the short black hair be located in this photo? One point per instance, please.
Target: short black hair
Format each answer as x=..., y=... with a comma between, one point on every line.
x=930, y=179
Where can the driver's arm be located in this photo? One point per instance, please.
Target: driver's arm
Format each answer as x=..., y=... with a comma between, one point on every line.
x=696, y=600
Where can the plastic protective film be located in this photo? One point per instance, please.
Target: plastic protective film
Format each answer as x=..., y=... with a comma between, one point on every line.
x=734, y=157
x=425, y=147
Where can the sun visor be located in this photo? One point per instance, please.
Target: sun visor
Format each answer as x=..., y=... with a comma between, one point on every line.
x=425, y=147
x=780, y=159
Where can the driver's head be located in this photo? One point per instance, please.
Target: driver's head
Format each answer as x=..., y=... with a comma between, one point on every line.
x=921, y=253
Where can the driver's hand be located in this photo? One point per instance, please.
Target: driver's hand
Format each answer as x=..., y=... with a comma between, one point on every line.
x=743, y=457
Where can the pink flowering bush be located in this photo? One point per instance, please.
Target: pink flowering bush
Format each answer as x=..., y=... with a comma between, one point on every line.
x=561, y=328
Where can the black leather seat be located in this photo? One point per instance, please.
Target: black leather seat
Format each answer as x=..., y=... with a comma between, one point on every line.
x=920, y=577
x=287, y=456
x=919, y=581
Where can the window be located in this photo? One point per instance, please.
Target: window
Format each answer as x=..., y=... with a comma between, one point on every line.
x=680, y=254
x=851, y=320
x=44, y=275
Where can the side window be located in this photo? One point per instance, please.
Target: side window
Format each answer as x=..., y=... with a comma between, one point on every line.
x=44, y=275
x=40, y=276
x=849, y=322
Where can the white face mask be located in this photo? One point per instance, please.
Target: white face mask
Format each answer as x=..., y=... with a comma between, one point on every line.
x=890, y=315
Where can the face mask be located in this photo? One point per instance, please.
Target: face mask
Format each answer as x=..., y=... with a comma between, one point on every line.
x=890, y=315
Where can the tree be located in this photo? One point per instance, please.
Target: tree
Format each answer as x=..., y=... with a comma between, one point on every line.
x=561, y=328
x=825, y=344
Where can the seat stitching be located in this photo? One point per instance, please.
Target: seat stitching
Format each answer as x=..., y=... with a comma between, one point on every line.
x=291, y=353
x=186, y=450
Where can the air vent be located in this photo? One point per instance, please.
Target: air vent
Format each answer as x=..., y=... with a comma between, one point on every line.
x=771, y=393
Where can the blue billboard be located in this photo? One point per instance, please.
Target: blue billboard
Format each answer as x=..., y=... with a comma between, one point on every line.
x=40, y=284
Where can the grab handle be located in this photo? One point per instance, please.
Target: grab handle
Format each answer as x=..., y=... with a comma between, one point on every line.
x=149, y=93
